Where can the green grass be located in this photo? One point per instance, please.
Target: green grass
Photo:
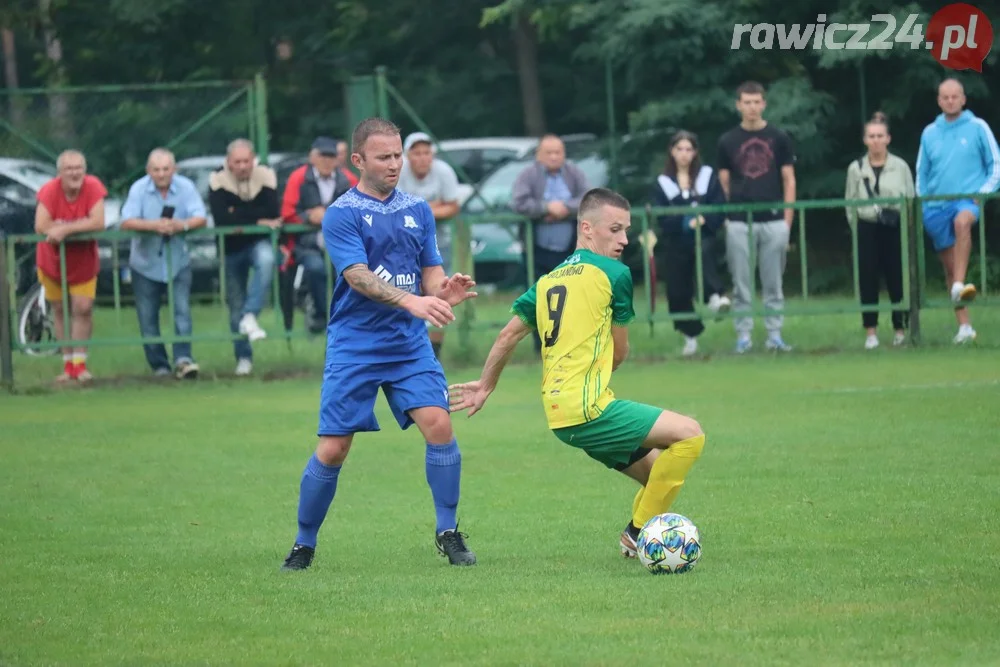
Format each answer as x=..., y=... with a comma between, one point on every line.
x=847, y=504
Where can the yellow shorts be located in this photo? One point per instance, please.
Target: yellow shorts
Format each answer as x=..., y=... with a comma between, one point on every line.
x=53, y=288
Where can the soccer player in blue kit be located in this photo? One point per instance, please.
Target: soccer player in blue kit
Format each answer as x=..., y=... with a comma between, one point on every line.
x=383, y=245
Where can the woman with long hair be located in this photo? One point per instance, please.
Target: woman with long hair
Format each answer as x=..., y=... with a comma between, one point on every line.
x=685, y=181
x=876, y=175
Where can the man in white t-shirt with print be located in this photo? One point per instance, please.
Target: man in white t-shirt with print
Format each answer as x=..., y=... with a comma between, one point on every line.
x=435, y=181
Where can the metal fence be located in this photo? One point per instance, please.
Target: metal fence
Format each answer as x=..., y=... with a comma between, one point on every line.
x=915, y=262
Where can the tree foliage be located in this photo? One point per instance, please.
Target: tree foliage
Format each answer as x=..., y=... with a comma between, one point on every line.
x=456, y=65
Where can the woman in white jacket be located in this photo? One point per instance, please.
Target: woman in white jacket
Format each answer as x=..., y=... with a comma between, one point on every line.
x=879, y=174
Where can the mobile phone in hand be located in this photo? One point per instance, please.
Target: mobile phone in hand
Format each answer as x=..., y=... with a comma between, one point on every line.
x=168, y=212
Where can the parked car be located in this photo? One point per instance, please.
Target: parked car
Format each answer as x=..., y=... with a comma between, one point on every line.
x=480, y=156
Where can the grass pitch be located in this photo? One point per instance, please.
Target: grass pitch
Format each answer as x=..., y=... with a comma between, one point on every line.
x=848, y=506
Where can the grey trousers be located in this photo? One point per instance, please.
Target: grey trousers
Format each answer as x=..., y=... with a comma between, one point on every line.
x=771, y=247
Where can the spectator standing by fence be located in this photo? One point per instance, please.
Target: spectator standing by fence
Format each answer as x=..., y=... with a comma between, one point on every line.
x=435, y=182
x=69, y=204
x=244, y=194
x=164, y=205
x=322, y=183
x=685, y=181
x=549, y=192
x=756, y=164
x=958, y=155
x=879, y=175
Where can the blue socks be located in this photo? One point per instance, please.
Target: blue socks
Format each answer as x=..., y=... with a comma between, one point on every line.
x=319, y=483
x=444, y=471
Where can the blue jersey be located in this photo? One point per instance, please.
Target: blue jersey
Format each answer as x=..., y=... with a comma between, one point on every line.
x=396, y=239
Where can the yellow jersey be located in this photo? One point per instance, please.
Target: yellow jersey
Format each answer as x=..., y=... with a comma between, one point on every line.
x=573, y=307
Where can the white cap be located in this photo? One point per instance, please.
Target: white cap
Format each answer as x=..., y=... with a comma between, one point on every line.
x=416, y=138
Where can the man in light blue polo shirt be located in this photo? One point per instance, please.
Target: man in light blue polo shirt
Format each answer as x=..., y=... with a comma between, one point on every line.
x=164, y=206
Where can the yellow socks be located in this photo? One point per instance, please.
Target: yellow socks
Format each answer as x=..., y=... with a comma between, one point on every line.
x=635, y=503
x=666, y=479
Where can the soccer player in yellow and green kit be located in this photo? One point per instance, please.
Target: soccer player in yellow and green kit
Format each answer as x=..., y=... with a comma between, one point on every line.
x=581, y=310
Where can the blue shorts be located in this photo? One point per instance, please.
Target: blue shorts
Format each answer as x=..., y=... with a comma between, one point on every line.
x=939, y=221
x=347, y=399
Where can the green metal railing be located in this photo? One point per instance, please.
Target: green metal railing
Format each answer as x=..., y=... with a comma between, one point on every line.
x=912, y=246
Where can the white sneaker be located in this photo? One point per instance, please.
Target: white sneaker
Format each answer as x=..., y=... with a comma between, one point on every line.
x=719, y=304
x=250, y=328
x=965, y=334
x=690, y=346
x=962, y=293
x=776, y=343
x=871, y=342
x=244, y=367
x=899, y=340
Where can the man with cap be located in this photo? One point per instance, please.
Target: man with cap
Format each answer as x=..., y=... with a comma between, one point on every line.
x=321, y=184
x=435, y=181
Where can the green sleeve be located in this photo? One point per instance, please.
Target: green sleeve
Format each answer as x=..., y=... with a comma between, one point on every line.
x=621, y=300
x=524, y=307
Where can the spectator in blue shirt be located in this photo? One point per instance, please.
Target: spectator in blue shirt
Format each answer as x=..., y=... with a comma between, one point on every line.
x=958, y=156
x=163, y=205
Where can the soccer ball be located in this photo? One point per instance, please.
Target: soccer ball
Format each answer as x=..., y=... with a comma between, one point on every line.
x=669, y=544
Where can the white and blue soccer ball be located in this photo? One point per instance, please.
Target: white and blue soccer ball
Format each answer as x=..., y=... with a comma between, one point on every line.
x=669, y=544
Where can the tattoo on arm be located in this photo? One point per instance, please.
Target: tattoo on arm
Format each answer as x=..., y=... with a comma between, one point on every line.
x=362, y=280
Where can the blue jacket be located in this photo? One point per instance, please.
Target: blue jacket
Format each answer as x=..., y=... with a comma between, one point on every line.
x=957, y=157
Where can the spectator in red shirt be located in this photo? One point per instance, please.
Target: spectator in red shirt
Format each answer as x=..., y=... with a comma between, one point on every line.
x=71, y=203
x=290, y=198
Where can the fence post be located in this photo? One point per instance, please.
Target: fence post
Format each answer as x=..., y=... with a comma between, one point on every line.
x=260, y=109
x=648, y=269
x=983, y=276
x=915, y=268
x=461, y=254
x=609, y=86
x=6, y=315
x=381, y=95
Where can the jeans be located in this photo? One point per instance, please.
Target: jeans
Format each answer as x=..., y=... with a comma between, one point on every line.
x=241, y=298
x=149, y=294
x=314, y=264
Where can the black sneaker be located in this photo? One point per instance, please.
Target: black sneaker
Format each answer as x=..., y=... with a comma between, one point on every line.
x=299, y=558
x=628, y=539
x=451, y=543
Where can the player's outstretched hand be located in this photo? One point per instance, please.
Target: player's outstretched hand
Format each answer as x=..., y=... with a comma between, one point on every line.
x=455, y=289
x=431, y=309
x=469, y=396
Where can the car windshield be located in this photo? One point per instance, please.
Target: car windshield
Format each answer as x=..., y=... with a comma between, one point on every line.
x=34, y=174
